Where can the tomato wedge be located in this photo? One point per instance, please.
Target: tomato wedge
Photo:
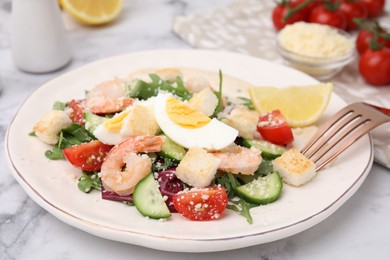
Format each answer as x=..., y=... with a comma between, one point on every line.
x=201, y=204
x=273, y=128
x=76, y=113
x=87, y=156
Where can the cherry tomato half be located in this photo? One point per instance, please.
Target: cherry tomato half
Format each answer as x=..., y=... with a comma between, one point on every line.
x=87, y=156
x=374, y=66
x=201, y=204
x=374, y=7
x=332, y=17
x=76, y=111
x=273, y=128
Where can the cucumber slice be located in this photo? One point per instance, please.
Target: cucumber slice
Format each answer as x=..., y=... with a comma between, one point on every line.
x=268, y=150
x=263, y=190
x=148, y=199
x=172, y=150
x=92, y=121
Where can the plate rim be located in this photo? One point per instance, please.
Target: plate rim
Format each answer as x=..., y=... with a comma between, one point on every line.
x=87, y=225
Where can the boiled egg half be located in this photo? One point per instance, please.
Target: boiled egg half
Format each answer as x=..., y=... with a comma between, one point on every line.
x=137, y=119
x=189, y=127
x=109, y=131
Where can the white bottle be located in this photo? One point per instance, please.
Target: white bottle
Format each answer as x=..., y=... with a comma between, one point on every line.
x=38, y=36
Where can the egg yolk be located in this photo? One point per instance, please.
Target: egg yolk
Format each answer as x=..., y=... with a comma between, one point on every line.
x=115, y=124
x=185, y=116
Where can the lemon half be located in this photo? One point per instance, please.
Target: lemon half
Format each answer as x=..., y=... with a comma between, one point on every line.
x=300, y=105
x=93, y=12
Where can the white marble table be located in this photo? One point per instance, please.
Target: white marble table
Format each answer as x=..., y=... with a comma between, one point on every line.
x=358, y=230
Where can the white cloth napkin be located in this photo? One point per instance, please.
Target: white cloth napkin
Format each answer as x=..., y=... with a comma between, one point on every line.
x=245, y=26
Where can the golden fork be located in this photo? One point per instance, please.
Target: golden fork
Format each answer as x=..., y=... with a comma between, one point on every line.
x=342, y=130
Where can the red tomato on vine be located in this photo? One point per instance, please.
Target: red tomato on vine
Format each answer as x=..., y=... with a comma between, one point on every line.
x=374, y=66
x=331, y=16
x=280, y=12
x=371, y=36
x=353, y=9
x=364, y=38
x=374, y=7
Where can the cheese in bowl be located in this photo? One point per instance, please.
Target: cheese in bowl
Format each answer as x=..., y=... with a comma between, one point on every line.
x=319, y=50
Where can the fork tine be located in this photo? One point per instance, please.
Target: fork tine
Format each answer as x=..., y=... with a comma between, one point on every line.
x=327, y=134
x=344, y=145
x=325, y=128
x=342, y=130
x=336, y=135
x=350, y=133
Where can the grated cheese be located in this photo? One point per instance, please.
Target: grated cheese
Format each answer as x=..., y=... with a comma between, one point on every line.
x=314, y=40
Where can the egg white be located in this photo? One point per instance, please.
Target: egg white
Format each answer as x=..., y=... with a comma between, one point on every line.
x=110, y=137
x=213, y=136
x=107, y=137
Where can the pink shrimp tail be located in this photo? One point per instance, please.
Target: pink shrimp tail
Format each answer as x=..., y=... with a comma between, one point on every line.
x=142, y=144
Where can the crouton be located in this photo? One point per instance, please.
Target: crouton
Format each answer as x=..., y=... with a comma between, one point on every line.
x=205, y=101
x=294, y=168
x=140, y=121
x=197, y=84
x=197, y=168
x=244, y=120
x=49, y=126
x=169, y=74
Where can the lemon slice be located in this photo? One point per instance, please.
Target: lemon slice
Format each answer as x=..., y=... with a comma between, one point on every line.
x=93, y=12
x=301, y=105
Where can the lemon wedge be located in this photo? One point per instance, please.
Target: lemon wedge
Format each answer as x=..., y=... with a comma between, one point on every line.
x=300, y=105
x=93, y=12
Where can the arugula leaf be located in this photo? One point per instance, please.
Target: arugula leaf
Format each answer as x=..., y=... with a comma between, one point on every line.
x=243, y=208
x=144, y=90
x=181, y=90
x=227, y=180
x=266, y=167
x=77, y=134
x=162, y=164
x=55, y=153
x=218, y=93
x=88, y=182
x=247, y=102
x=141, y=89
x=73, y=135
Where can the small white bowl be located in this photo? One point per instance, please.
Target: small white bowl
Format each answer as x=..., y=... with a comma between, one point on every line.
x=318, y=67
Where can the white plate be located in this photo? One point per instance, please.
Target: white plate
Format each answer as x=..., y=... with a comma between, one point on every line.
x=50, y=183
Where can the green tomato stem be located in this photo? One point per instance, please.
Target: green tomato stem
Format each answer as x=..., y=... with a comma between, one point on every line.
x=292, y=11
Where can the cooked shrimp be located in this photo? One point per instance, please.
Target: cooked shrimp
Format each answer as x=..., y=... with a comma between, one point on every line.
x=237, y=159
x=108, y=97
x=123, y=168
